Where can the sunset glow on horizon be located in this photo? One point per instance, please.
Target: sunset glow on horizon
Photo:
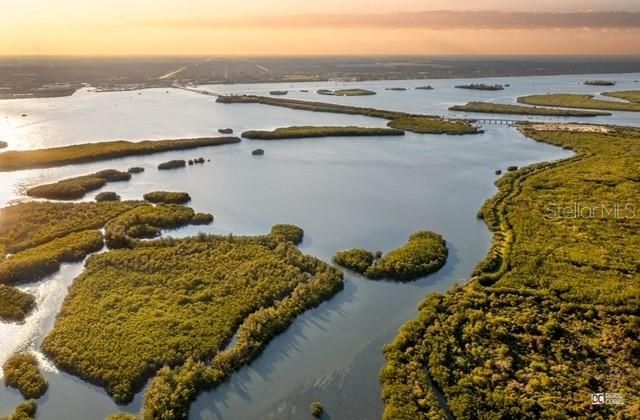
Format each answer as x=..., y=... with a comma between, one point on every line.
x=285, y=27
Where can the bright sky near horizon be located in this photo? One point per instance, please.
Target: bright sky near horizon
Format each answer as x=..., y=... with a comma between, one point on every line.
x=249, y=27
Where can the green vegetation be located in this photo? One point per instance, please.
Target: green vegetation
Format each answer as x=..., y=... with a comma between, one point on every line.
x=346, y=92
x=14, y=304
x=491, y=108
x=167, y=197
x=427, y=87
x=278, y=92
x=93, y=152
x=290, y=233
x=172, y=164
x=551, y=314
x=397, y=89
x=600, y=83
x=21, y=372
x=225, y=130
x=308, y=131
x=144, y=222
x=122, y=416
x=107, y=196
x=570, y=100
x=420, y=123
x=627, y=95
x=24, y=411
x=480, y=86
x=177, y=303
x=424, y=125
x=76, y=188
x=424, y=253
x=202, y=219
x=355, y=259
x=257, y=152
x=512, y=168
x=43, y=260
x=316, y=409
x=135, y=170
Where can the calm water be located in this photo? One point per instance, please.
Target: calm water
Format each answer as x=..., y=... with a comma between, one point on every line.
x=364, y=192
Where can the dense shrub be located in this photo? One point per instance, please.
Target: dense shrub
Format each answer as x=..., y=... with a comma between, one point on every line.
x=14, y=304
x=135, y=170
x=425, y=253
x=257, y=152
x=122, y=416
x=291, y=233
x=358, y=260
x=433, y=125
x=26, y=410
x=316, y=409
x=92, y=152
x=172, y=164
x=75, y=188
x=480, y=86
x=21, y=372
x=202, y=219
x=167, y=197
x=107, y=196
x=309, y=131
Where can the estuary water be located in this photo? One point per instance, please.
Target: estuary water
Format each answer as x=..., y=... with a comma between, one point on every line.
x=345, y=192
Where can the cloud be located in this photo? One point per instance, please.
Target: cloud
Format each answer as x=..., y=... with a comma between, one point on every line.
x=435, y=20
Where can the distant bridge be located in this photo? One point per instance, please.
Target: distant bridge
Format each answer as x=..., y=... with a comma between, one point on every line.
x=196, y=90
x=496, y=121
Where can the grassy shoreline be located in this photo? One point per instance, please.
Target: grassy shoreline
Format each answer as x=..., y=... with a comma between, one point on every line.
x=570, y=100
x=310, y=131
x=92, y=152
x=548, y=309
x=493, y=108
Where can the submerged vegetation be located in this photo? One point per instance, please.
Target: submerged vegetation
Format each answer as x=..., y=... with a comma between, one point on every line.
x=425, y=252
x=572, y=100
x=21, y=372
x=167, y=197
x=551, y=315
x=308, y=131
x=14, y=304
x=93, y=152
x=113, y=328
x=76, y=188
x=492, y=108
x=480, y=86
x=410, y=122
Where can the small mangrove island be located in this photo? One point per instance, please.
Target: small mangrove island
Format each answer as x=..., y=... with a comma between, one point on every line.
x=21, y=372
x=480, y=86
x=76, y=188
x=345, y=92
x=309, y=131
x=425, y=253
x=107, y=196
x=600, y=83
x=172, y=164
x=167, y=197
x=492, y=108
x=257, y=152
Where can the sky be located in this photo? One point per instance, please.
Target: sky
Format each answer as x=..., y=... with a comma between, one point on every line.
x=295, y=27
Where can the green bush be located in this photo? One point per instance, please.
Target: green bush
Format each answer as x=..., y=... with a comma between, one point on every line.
x=93, y=152
x=75, y=188
x=358, y=260
x=21, y=372
x=172, y=164
x=14, y=304
x=309, y=131
x=135, y=170
x=167, y=197
x=26, y=410
x=316, y=409
x=202, y=219
x=425, y=253
x=107, y=196
x=291, y=233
